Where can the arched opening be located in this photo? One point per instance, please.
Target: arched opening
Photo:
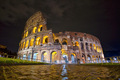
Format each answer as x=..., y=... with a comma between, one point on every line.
x=76, y=43
x=35, y=56
x=27, y=42
x=86, y=44
x=29, y=56
x=26, y=34
x=93, y=57
x=65, y=57
x=94, y=46
x=64, y=41
x=73, y=58
x=40, y=28
x=37, y=41
x=56, y=41
x=82, y=46
x=23, y=44
x=45, y=40
x=53, y=57
x=24, y=56
x=83, y=58
x=97, y=59
x=44, y=57
x=91, y=46
x=73, y=43
x=88, y=58
x=31, y=42
x=34, y=29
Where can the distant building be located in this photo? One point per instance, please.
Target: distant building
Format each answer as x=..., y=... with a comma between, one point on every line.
x=40, y=44
x=2, y=50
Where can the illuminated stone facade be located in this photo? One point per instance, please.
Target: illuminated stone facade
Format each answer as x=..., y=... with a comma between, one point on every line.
x=40, y=44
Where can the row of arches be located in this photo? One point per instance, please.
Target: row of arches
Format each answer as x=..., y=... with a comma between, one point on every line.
x=91, y=58
x=31, y=42
x=88, y=45
x=53, y=57
x=64, y=42
x=35, y=29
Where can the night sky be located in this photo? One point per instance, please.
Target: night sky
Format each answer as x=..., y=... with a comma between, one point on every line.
x=97, y=17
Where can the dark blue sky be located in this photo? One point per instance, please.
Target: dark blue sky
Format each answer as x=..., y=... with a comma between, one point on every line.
x=96, y=17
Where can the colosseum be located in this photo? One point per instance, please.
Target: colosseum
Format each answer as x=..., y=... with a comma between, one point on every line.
x=40, y=44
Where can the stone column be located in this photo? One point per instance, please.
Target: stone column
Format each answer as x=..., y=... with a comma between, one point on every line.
x=41, y=41
x=29, y=43
x=34, y=41
x=80, y=53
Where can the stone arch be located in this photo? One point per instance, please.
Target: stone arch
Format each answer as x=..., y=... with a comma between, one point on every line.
x=76, y=43
x=35, y=56
x=53, y=57
x=32, y=42
x=34, y=29
x=44, y=56
x=91, y=46
x=27, y=42
x=40, y=28
x=64, y=57
x=97, y=59
x=24, y=56
x=29, y=56
x=56, y=41
x=45, y=40
x=83, y=58
x=89, y=58
x=64, y=41
x=73, y=58
x=37, y=41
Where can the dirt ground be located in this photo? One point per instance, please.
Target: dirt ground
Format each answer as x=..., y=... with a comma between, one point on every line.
x=60, y=72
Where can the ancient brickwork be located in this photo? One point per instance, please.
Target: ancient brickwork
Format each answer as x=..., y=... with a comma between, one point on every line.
x=40, y=44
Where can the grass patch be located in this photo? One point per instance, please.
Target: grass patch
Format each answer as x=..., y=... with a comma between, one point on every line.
x=7, y=61
x=101, y=64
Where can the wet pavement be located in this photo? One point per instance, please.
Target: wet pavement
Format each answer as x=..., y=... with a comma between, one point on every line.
x=59, y=72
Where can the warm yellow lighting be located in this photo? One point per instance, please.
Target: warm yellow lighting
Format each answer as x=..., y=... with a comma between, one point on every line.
x=98, y=49
x=73, y=43
x=94, y=46
x=45, y=56
x=45, y=39
x=64, y=41
x=37, y=41
x=40, y=28
x=23, y=44
x=76, y=43
x=73, y=54
x=54, y=53
x=34, y=29
x=54, y=56
x=27, y=42
x=31, y=42
x=63, y=52
x=90, y=45
x=26, y=34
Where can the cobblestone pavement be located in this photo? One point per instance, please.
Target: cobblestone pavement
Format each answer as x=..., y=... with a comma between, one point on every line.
x=59, y=72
